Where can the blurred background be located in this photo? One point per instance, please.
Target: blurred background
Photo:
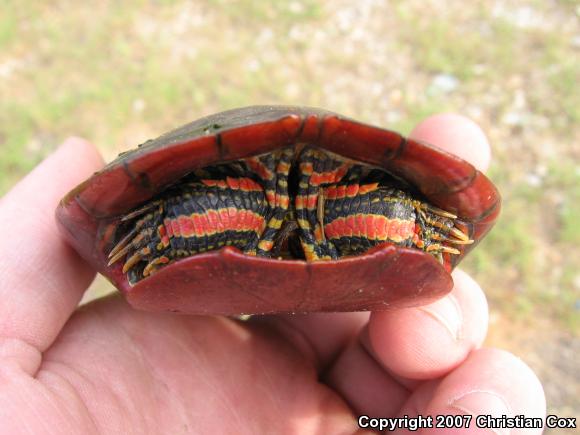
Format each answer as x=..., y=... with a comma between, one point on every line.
x=119, y=73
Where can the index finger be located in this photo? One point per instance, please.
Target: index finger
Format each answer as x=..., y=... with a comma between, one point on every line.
x=458, y=135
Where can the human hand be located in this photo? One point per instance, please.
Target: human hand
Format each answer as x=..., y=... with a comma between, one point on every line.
x=108, y=368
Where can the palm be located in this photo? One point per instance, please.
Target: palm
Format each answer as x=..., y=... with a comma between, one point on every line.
x=164, y=373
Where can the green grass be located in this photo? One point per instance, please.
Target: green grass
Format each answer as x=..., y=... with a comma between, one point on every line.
x=91, y=70
x=536, y=224
x=440, y=45
x=281, y=14
x=7, y=27
x=564, y=180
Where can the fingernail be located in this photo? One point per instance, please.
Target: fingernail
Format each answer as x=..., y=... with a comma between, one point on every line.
x=480, y=402
x=448, y=313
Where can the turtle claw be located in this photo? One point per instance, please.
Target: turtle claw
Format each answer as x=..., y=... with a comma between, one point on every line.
x=151, y=267
x=135, y=258
x=121, y=245
x=140, y=211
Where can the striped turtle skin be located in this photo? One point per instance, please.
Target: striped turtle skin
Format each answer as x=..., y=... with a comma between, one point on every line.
x=333, y=208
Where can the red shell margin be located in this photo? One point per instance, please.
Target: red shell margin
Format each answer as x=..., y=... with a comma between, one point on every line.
x=228, y=282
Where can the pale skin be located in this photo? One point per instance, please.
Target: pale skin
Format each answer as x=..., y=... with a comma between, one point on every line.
x=106, y=368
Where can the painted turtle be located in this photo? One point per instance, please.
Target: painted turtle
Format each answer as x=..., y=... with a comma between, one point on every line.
x=272, y=209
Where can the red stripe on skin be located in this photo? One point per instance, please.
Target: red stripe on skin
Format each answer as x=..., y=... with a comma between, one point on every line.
x=168, y=227
x=409, y=230
x=212, y=222
x=262, y=171
x=207, y=229
x=341, y=172
x=249, y=185
x=243, y=184
x=301, y=201
x=271, y=197
x=381, y=229
x=198, y=225
x=351, y=225
x=334, y=229
x=224, y=216
x=417, y=241
x=283, y=201
x=261, y=223
x=233, y=183
x=186, y=226
x=255, y=222
x=208, y=226
x=242, y=216
x=215, y=222
x=366, y=188
x=360, y=225
x=175, y=228
x=372, y=227
x=266, y=245
x=233, y=217
x=308, y=201
x=352, y=190
x=242, y=219
x=215, y=183
x=393, y=229
x=306, y=168
x=162, y=232
x=317, y=178
x=330, y=192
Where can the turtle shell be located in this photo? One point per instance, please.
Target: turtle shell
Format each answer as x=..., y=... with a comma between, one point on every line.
x=227, y=281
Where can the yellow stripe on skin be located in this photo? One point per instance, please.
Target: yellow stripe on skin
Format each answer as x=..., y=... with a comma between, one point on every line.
x=275, y=223
x=309, y=253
